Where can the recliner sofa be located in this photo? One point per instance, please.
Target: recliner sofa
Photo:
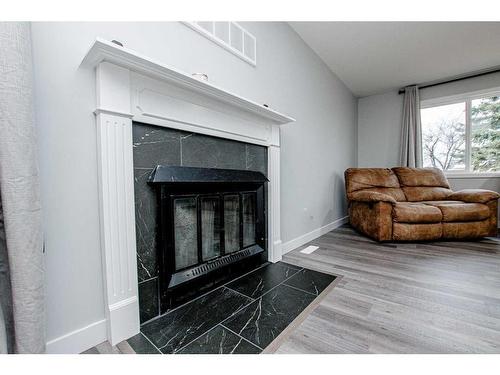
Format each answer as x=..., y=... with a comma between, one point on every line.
x=416, y=204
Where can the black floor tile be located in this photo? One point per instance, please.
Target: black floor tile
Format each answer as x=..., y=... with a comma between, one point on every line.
x=178, y=327
x=263, y=320
x=294, y=267
x=262, y=280
x=141, y=345
x=220, y=340
x=310, y=281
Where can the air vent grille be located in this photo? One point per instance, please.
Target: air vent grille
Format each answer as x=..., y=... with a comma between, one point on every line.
x=230, y=36
x=203, y=269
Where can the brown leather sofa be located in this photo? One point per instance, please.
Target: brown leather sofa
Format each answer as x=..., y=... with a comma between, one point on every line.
x=415, y=204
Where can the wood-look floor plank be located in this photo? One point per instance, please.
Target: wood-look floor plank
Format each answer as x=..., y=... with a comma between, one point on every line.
x=429, y=297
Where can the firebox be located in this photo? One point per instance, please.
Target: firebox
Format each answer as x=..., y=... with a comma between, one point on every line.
x=211, y=224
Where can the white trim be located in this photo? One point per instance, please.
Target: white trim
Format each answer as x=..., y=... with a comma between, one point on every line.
x=452, y=175
x=466, y=98
x=274, y=245
x=103, y=50
x=79, y=340
x=312, y=235
x=444, y=100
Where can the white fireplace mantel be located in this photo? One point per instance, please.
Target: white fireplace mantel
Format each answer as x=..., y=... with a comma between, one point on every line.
x=131, y=87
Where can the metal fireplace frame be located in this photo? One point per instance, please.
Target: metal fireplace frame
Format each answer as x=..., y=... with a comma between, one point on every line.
x=174, y=182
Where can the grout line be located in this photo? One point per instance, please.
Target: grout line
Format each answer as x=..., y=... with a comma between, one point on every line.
x=204, y=294
x=230, y=330
x=274, y=287
x=234, y=313
x=193, y=340
x=145, y=281
x=299, y=319
x=151, y=342
x=241, y=294
x=260, y=297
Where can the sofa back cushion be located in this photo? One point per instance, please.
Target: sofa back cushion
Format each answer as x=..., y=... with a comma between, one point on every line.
x=380, y=180
x=423, y=184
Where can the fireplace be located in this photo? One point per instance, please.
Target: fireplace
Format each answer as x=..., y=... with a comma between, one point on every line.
x=131, y=87
x=212, y=225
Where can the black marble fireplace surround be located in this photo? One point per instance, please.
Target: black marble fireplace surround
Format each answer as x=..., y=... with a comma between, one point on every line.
x=152, y=146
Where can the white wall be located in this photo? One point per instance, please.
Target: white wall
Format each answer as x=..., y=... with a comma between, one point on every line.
x=379, y=127
x=289, y=77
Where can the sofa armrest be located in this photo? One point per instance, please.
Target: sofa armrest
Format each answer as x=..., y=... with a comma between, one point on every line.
x=370, y=196
x=474, y=195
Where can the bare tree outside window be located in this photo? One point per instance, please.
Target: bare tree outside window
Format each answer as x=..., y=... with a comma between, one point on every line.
x=443, y=136
x=444, y=141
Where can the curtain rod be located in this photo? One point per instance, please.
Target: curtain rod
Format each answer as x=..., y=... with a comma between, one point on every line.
x=472, y=75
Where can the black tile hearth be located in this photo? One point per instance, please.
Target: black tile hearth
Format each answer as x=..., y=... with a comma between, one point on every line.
x=264, y=279
x=177, y=328
x=228, y=320
x=263, y=320
x=142, y=345
x=310, y=281
x=220, y=340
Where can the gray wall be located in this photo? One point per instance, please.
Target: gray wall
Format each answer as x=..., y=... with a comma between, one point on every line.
x=379, y=127
x=289, y=77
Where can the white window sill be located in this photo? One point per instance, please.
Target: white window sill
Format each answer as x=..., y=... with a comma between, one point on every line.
x=472, y=175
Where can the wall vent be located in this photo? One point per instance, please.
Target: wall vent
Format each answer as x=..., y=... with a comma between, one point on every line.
x=230, y=36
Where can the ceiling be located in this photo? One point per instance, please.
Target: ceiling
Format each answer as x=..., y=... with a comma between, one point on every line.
x=374, y=57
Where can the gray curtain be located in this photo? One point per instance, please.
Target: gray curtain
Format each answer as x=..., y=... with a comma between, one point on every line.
x=411, y=136
x=21, y=246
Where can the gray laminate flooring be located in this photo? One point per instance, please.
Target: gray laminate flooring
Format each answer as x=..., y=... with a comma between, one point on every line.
x=429, y=297
x=434, y=297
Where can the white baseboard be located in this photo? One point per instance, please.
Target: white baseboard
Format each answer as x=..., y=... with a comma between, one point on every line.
x=80, y=340
x=305, y=238
x=123, y=320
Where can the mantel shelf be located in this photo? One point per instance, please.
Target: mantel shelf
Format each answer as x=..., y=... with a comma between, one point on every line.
x=103, y=50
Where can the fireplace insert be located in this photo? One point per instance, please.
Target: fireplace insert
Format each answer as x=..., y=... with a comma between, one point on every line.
x=211, y=225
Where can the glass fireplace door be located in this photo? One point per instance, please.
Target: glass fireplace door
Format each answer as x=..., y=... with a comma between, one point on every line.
x=210, y=227
x=185, y=232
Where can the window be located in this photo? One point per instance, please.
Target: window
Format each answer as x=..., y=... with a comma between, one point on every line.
x=231, y=36
x=462, y=135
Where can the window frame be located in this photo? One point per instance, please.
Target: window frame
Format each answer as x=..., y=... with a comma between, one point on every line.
x=467, y=98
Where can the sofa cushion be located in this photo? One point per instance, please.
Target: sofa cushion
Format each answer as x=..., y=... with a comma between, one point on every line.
x=394, y=193
x=378, y=180
x=475, y=195
x=409, y=212
x=423, y=193
x=416, y=232
x=473, y=229
x=420, y=184
x=454, y=211
x=430, y=177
